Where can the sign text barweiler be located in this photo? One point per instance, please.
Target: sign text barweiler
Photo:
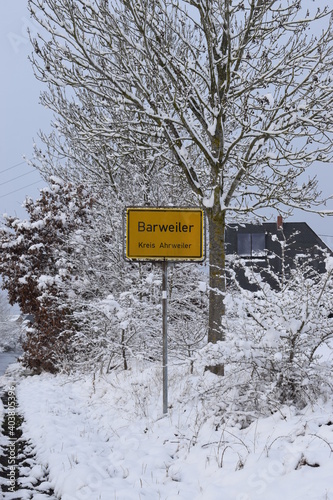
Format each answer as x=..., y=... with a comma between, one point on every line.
x=164, y=233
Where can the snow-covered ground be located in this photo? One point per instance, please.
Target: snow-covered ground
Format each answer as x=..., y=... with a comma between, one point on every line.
x=104, y=437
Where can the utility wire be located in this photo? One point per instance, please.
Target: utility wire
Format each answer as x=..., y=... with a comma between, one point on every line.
x=20, y=189
x=18, y=177
x=13, y=166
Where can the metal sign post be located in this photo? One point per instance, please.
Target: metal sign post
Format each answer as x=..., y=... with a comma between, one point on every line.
x=165, y=333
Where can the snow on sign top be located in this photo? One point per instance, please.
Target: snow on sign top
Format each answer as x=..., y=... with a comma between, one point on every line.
x=164, y=234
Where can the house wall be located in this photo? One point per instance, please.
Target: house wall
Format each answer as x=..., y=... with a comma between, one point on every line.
x=296, y=238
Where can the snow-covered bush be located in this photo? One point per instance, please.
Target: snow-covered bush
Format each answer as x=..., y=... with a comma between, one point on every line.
x=279, y=346
x=122, y=320
x=187, y=310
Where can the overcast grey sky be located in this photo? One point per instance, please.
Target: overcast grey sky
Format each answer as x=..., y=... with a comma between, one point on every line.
x=22, y=117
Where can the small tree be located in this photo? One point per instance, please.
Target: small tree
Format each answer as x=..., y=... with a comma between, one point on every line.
x=34, y=263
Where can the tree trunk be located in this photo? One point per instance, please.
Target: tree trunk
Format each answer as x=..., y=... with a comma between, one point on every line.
x=216, y=225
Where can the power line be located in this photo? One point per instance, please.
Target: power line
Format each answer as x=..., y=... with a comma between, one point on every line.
x=20, y=189
x=18, y=177
x=13, y=166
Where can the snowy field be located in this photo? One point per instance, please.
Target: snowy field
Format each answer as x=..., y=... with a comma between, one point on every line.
x=105, y=438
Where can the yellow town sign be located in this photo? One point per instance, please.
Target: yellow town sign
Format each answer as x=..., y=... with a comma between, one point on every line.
x=164, y=233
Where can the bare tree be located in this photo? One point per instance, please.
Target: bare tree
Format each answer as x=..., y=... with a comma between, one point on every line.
x=234, y=95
